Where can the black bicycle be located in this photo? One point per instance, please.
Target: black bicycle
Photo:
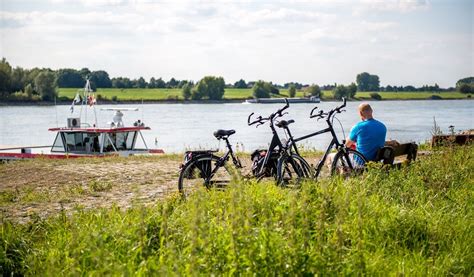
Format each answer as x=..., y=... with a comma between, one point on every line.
x=344, y=162
x=205, y=168
x=278, y=160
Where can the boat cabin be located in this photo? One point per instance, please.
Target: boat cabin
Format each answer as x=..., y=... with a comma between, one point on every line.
x=92, y=141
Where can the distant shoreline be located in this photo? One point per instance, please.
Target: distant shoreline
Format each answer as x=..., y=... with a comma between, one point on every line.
x=66, y=103
x=102, y=102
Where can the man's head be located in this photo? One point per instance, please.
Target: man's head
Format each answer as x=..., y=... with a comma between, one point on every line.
x=365, y=111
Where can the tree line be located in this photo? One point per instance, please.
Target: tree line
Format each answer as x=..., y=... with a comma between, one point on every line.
x=40, y=84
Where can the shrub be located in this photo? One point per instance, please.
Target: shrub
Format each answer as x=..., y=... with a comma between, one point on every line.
x=212, y=87
x=314, y=90
x=435, y=97
x=260, y=90
x=186, y=91
x=375, y=96
x=292, y=91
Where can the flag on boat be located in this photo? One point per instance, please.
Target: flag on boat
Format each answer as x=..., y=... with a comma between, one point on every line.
x=77, y=99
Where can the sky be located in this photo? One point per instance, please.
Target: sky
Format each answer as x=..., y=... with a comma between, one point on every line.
x=404, y=42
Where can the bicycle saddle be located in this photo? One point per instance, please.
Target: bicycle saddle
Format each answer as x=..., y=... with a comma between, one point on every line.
x=223, y=133
x=284, y=123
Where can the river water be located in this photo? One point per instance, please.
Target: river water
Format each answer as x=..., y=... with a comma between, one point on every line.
x=179, y=127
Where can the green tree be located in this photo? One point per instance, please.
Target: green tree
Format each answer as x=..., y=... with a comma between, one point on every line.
x=292, y=91
x=240, y=84
x=314, y=90
x=141, y=83
x=465, y=88
x=45, y=85
x=100, y=79
x=69, y=78
x=212, y=87
x=260, y=90
x=160, y=83
x=196, y=95
x=351, y=90
x=85, y=73
x=367, y=82
x=340, y=91
x=465, y=85
x=29, y=91
x=186, y=91
x=5, y=78
x=18, y=79
x=172, y=83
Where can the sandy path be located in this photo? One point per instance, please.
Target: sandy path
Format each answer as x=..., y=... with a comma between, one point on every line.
x=44, y=187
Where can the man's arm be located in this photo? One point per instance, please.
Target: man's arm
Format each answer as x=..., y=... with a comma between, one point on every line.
x=351, y=140
x=349, y=143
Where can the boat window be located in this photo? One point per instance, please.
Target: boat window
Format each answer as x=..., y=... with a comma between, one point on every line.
x=91, y=141
x=58, y=145
x=79, y=142
x=121, y=141
x=74, y=142
x=131, y=140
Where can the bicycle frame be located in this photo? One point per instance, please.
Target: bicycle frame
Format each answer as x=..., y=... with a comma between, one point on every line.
x=334, y=143
x=222, y=160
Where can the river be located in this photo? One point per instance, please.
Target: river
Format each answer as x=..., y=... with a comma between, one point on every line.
x=178, y=127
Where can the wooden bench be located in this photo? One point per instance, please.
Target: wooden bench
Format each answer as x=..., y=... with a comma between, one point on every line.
x=388, y=154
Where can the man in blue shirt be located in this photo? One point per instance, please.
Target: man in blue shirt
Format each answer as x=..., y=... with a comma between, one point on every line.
x=368, y=135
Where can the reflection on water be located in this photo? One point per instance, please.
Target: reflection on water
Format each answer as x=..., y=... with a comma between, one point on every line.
x=176, y=127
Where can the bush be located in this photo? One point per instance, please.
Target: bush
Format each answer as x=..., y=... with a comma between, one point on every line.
x=340, y=91
x=212, y=87
x=196, y=95
x=260, y=90
x=292, y=91
x=314, y=90
x=186, y=91
x=375, y=96
x=115, y=98
x=435, y=97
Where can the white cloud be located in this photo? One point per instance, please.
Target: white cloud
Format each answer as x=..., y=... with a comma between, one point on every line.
x=252, y=40
x=391, y=6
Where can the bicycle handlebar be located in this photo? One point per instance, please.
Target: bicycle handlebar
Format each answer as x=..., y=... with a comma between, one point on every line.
x=259, y=119
x=322, y=114
x=262, y=120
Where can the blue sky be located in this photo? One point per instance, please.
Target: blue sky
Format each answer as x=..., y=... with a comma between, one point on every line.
x=405, y=42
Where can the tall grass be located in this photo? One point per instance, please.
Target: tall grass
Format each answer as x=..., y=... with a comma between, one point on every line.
x=417, y=220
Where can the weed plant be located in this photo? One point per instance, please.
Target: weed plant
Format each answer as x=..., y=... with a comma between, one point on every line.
x=417, y=220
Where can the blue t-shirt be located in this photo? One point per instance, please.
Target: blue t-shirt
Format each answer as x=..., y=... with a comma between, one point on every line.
x=369, y=136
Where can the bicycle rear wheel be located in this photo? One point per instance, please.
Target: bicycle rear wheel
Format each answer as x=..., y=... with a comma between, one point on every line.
x=292, y=170
x=348, y=162
x=197, y=173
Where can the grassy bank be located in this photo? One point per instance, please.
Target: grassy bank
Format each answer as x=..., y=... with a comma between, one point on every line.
x=417, y=221
x=241, y=94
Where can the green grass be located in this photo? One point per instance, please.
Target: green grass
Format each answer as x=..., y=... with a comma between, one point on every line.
x=418, y=220
x=161, y=94
x=232, y=93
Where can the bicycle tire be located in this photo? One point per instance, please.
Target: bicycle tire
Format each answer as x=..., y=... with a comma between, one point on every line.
x=348, y=165
x=194, y=174
x=292, y=170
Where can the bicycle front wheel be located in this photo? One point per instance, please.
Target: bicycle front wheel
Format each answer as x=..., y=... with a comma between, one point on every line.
x=292, y=170
x=348, y=162
x=203, y=172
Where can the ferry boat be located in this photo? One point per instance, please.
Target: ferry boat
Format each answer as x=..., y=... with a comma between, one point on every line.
x=312, y=99
x=81, y=139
